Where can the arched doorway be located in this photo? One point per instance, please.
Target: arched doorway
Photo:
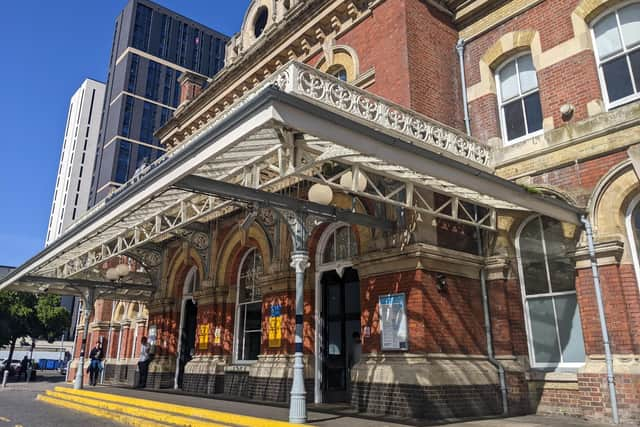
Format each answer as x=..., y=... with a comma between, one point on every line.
x=188, y=324
x=337, y=314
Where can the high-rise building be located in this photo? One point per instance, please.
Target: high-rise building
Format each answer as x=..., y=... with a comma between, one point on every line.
x=71, y=194
x=152, y=47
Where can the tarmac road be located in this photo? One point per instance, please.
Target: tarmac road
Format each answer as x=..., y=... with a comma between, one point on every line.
x=19, y=407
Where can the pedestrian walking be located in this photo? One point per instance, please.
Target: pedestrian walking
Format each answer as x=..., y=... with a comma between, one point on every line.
x=95, y=365
x=143, y=363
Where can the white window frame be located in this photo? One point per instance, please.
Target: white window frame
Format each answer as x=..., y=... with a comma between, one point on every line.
x=503, y=122
x=625, y=52
x=525, y=302
x=236, y=334
x=633, y=245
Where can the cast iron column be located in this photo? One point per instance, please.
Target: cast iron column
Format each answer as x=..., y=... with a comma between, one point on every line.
x=300, y=262
x=298, y=407
x=88, y=301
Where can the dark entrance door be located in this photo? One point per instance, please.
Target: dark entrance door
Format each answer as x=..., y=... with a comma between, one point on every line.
x=341, y=319
x=188, y=341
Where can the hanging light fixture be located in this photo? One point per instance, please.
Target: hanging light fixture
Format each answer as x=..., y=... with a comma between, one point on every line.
x=123, y=270
x=118, y=272
x=112, y=274
x=346, y=181
x=320, y=193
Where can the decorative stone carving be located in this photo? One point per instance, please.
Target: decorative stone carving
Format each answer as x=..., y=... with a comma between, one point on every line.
x=200, y=241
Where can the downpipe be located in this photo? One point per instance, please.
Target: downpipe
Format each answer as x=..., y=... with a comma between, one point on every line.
x=487, y=328
x=463, y=82
x=603, y=321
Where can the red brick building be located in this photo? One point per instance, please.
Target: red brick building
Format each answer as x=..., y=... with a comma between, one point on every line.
x=482, y=300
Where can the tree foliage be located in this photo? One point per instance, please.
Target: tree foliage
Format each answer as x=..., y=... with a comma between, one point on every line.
x=27, y=315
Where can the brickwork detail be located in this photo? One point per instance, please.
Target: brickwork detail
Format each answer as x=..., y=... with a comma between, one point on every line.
x=203, y=383
x=414, y=401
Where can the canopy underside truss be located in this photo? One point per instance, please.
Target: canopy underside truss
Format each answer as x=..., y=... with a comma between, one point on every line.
x=255, y=146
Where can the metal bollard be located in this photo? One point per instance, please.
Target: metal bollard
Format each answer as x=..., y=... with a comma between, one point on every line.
x=4, y=378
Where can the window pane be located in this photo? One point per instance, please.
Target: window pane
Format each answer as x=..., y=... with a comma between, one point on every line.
x=342, y=243
x=617, y=79
x=533, y=111
x=528, y=79
x=561, y=267
x=252, y=343
x=514, y=119
x=570, y=329
x=329, y=254
x=240, y=320
x=533, y=267
x=335, y=338
x=543, y=330
x=607, y=36
x=634, y=58
x=630, y=24
x=254, y=316
x=508, y=81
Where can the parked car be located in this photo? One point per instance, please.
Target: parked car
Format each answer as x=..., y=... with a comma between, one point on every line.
x=13, y=366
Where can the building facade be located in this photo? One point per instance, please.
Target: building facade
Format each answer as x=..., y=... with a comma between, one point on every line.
x=447, y=315
x=151, y=47
x=73, y=183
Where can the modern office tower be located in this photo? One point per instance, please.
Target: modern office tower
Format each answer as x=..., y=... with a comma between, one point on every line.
x=152, y=47
x=79, y=145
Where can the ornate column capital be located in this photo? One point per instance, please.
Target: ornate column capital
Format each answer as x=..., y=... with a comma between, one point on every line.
x=300, y=261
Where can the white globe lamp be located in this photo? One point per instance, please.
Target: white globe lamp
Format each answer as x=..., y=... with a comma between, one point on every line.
x=123, y=270
x=320, y=193
x=112, y=274
x=346, y=181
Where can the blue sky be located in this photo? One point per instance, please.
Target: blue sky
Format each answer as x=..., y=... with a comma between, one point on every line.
x=48, y=48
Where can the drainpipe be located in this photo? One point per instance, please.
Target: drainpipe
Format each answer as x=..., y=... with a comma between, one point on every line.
x=487, y=328
x=603, y=320
x=463, y=81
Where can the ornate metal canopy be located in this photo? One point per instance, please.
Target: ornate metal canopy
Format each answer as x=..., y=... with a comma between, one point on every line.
x=298, y=126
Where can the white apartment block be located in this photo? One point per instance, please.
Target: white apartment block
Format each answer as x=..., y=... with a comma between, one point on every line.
x=73, y=184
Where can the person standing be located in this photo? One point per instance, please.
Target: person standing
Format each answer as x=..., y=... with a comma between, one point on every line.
x=23, y=368
x=96, y=357
x=143, y=363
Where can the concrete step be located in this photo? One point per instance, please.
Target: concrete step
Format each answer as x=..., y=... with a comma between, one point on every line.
x=100, y=413
x=131, y=410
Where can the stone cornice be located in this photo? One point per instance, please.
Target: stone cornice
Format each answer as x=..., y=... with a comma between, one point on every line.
x=299, y=37
x=607, y=253
x=419, y=256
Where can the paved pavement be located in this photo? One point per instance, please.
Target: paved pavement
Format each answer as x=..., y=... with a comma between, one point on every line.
x=338, y=416
x=18, y=407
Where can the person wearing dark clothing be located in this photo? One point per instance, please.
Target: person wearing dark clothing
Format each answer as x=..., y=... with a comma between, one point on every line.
x=143, y=363
x=96, y=357
x=23, y=368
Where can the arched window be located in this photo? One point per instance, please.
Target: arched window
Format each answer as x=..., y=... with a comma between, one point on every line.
x=547, y=278
x=617, y=46
x=260, y=21
x=633, y=232
x=249, y=308
x=340, y=245
x=518, y=99
x=339, y=72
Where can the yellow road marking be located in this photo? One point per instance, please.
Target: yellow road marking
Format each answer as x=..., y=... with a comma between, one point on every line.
x=96, y=412
x=162, y=417
x=223, y=417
